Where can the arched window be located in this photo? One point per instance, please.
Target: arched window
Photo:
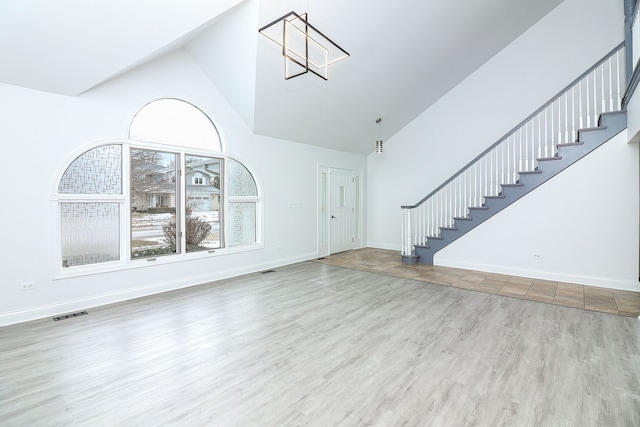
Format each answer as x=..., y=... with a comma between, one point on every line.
x=169, y=190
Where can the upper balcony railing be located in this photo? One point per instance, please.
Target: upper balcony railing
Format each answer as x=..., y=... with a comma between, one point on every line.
x=632, y=35
x=635, y=31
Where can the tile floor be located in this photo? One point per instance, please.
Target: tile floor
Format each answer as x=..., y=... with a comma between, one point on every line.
x=624, y=303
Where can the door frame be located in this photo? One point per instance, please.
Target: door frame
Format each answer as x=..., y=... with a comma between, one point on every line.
x=324, y=206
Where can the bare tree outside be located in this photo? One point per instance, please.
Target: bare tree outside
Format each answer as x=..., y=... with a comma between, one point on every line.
x=147, y=177
x=197, y=229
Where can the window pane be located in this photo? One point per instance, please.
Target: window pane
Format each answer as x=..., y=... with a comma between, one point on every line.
x=98, y=171
x=175, y=122
x=90, y=233
x=242, y=216
x=240, y=181
x=202, y=178
x=153, y=188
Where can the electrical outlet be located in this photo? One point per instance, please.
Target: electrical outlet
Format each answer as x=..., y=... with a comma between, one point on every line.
x=537, y=255
x=27, y=286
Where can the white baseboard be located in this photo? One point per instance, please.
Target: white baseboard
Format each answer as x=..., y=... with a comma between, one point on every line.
x=603, y=282
x=70, y=306
x=377, y=245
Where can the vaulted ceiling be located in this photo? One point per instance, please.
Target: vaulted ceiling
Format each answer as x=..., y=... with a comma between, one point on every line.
x=405, y=55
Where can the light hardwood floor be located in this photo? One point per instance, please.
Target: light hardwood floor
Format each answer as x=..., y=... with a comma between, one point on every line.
x=319, y=345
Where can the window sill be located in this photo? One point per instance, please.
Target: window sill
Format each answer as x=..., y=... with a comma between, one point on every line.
x=115, y=266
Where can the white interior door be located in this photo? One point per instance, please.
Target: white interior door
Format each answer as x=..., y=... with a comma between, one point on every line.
x=342, y=210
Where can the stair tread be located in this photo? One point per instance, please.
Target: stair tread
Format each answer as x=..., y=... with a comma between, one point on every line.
x=484, y=208
x=517, y=184
x=570, y=144
x=435, y=237
x=493, y=197
x=462, y=218
x=448, y=228
x=591, y=129
x=529, y=172
x=546, y=159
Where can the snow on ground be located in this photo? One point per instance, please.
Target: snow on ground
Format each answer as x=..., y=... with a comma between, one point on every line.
x=150, y=220
x=147, y=220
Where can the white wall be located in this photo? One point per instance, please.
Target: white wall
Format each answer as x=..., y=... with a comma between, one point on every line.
x=43, y=131
x=483, y=108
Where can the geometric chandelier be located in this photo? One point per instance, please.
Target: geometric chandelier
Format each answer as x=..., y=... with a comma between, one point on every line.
x=304, y=47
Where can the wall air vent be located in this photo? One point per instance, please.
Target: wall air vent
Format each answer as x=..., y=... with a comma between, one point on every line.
x=69, y=316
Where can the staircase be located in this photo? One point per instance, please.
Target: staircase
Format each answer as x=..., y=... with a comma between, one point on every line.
x=575, y=122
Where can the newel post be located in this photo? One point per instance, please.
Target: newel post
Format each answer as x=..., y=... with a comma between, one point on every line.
x=407, y=242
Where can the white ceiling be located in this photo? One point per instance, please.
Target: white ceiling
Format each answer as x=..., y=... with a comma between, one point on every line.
x=405, y=54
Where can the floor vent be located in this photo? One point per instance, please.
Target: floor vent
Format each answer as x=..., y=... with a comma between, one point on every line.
x=69, y=316
x=268, y=271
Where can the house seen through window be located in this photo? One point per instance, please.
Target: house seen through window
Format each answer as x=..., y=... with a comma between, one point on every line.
x=183, y=195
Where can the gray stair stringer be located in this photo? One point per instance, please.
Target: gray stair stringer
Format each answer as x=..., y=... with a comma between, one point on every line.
x=610, y=124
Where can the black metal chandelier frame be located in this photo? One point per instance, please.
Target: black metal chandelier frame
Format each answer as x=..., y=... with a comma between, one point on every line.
x=304, y=47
